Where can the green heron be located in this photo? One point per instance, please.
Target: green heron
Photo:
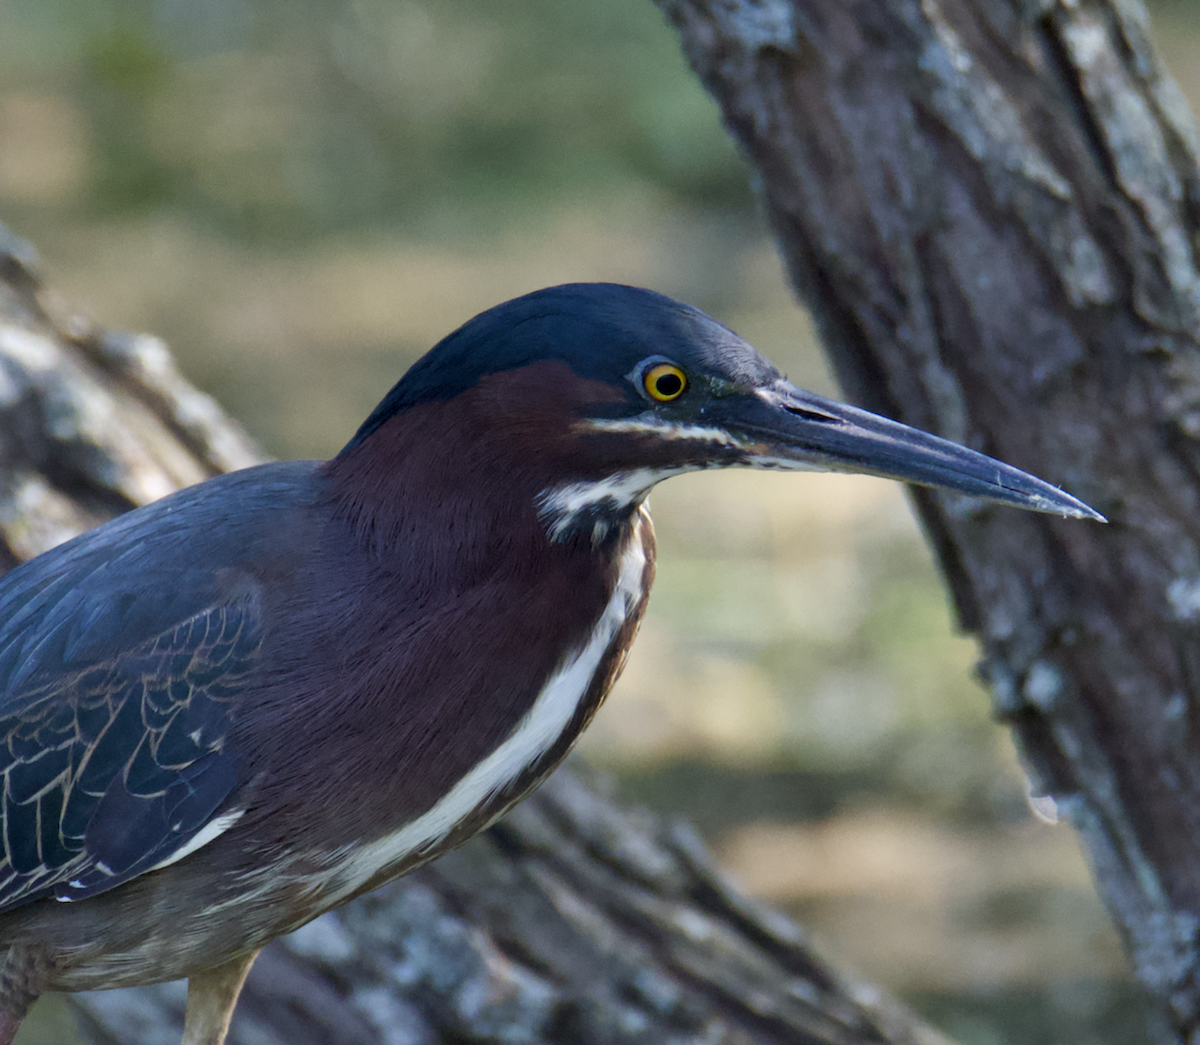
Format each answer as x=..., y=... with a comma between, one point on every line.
x=234, y=709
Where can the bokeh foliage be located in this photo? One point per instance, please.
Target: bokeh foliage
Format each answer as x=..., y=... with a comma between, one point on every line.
x=284, y=119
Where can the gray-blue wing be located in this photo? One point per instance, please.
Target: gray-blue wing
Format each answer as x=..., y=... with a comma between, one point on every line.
x=123, y=655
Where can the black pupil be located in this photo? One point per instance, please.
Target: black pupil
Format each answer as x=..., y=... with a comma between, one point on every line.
x=667, y=385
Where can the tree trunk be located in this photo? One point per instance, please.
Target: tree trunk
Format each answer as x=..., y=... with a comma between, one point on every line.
x=573, y=921
x=993, y=209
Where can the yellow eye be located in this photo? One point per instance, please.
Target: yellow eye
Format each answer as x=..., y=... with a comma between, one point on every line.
x=664, y=382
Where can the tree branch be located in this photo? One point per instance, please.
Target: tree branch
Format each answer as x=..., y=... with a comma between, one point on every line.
x=992, y=210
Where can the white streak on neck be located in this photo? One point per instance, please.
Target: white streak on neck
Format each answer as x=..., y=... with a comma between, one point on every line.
x=539, y=729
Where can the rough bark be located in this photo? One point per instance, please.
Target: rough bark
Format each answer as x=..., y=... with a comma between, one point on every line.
x=992, y=208
x=572, y=921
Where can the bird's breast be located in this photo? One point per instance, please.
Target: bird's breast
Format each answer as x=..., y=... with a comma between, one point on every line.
x=542, y=735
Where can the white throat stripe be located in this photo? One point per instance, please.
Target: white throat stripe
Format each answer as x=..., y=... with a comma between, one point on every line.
x=539, y=730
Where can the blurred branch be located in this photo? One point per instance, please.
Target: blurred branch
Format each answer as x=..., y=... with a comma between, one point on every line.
x=573, y=920
x=994, y=212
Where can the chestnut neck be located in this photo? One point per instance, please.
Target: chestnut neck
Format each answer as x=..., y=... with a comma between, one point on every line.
x=453, y=485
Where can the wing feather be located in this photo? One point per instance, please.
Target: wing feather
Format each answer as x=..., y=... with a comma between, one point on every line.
x=124, y=655
x=111, y=769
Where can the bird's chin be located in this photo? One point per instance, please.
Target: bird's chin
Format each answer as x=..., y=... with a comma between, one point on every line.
x=596, y=506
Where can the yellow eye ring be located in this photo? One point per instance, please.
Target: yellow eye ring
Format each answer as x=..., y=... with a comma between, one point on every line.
x=664, y=382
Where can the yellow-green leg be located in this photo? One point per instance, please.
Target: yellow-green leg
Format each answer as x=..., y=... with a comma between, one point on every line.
x=212, y=994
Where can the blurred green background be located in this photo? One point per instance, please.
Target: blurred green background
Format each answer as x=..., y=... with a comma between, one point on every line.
x=303, y=195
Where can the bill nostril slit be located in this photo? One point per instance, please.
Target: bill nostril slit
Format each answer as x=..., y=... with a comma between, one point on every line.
x=813, y=415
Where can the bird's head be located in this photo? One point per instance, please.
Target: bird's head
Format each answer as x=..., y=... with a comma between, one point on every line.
x=604, y=390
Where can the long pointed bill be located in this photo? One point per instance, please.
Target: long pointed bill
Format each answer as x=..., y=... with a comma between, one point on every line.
x=786, y=427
